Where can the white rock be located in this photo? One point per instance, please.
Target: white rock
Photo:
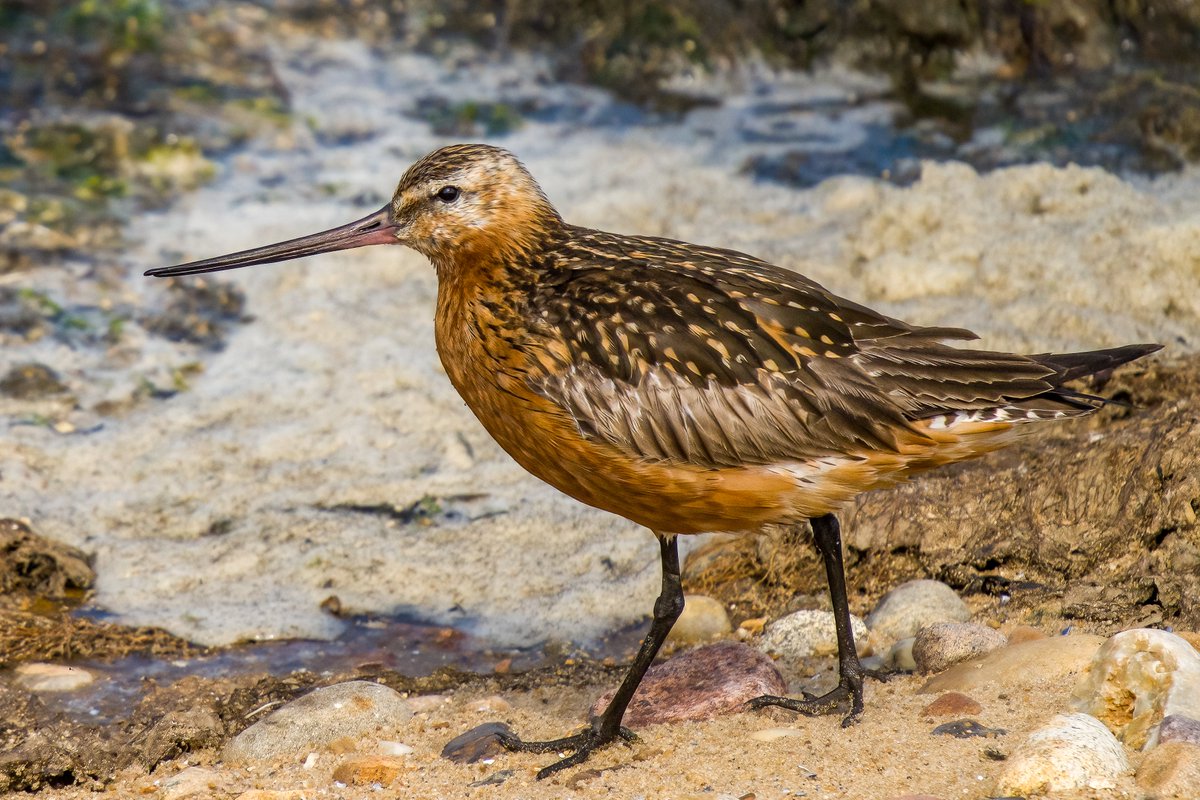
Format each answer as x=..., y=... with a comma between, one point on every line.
x=53, y=677
x=809, y=633
x=703, y=620
x=1135, y=679
x=771, y=734
x=1044, y=661
x=942, y=645
x=911, y=606
x=900, y=656
x=191, y=782
x=395, y=749
x=354, y=709
x=1075, y=751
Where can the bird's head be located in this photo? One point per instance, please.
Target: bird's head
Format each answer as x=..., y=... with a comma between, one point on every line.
x=456, y=205
x=469, y=199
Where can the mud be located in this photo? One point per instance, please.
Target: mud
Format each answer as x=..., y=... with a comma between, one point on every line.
x=42, y=584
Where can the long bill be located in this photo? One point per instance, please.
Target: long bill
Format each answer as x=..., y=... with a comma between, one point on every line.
x=377, y=228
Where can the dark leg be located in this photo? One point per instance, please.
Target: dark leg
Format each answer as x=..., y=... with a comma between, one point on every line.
x=829, y=542
x=607, y=727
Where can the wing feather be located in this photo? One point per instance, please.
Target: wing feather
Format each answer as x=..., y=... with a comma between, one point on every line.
x=679, y=353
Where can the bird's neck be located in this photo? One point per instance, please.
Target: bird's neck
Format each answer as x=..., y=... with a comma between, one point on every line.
x=514, y=235
x=499, y=260
x=480, y=324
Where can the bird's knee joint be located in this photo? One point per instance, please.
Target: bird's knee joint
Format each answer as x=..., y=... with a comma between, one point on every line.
x=668, y=606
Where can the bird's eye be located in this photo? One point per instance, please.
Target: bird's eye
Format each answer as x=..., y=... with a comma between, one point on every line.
x=448, y=194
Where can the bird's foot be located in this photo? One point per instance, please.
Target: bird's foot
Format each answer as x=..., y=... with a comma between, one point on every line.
x=849, y=689
x=883, y=675
x=583, y=744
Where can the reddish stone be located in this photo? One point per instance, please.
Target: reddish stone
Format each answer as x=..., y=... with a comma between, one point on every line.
x=701, y=684
x=954, y=704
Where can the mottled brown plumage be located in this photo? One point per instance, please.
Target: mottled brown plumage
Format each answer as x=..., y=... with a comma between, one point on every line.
x=686, y=388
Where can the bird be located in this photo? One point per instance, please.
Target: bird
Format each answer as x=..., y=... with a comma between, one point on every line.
x=687, y=388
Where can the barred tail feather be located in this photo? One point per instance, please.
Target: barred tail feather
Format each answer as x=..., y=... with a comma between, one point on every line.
x=1057, y=402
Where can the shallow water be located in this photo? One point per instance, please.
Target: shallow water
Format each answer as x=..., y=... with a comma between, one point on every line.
x=366, y=646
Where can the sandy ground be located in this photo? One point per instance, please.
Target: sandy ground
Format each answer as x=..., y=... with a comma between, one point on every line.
x=890, y=754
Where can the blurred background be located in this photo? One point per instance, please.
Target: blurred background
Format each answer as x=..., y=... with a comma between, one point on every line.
x=110, y=107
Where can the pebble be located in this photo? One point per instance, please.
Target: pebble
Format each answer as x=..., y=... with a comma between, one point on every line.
x=274, y=794
x=354, y=709
x=1025, y=664
x=940, y=646
x=495, y=779
x=900, y=656
x=967, y=729
x=751, y=627
x=1171, y=770
x=371, y=769
x=771, y=734
x=700, y=684
x=190, y=782
x=911, y=606
x=394, y=748
x=423, y=704
x=492, y=704
x=809, y=633
x=708, y=553
x=952, y=704
x=703, y=619
x=476, y=744
x=1175, y=728
x=1135, y=679
x=1074, y=751
x=53, y=677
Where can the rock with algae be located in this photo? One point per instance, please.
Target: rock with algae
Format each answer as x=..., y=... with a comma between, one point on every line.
x=1137, y=678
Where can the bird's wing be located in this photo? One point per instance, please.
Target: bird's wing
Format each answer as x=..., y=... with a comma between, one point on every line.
x=678, y=353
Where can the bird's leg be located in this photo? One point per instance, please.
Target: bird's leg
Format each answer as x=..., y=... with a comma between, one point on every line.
x=828, y=537
x=607, y=727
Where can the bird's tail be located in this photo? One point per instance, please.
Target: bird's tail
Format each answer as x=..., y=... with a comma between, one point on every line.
x=1069, y=366
x=1055, y=402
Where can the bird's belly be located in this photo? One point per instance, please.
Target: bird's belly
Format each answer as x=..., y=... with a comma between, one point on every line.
x=665, y=497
